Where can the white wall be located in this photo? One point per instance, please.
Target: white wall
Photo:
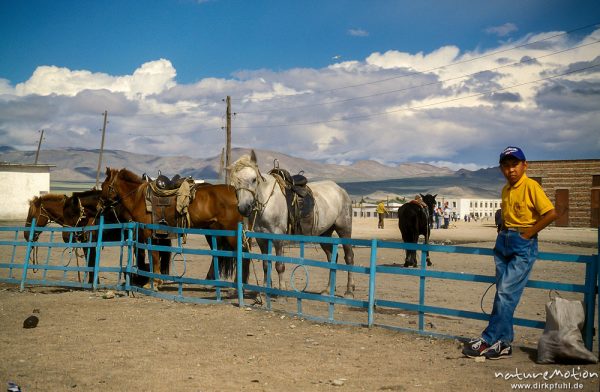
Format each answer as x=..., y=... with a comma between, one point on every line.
x=19, y=184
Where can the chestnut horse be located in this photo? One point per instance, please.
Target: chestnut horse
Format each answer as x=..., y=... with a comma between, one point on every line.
x=213, y=207
x=45, y=209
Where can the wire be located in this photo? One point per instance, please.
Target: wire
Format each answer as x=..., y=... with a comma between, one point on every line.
x=432, y=69
x=420, y=106
x=421, y=85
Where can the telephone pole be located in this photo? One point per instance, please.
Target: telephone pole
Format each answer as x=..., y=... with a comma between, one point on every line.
x=101, y=149
x=228, y=143
x=37, y=153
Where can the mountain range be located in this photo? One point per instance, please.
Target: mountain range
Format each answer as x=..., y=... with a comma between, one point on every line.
x=367, y=178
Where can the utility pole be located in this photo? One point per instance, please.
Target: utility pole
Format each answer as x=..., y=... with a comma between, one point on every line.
x=101, y=150
x=228, y=143
x=37, y=153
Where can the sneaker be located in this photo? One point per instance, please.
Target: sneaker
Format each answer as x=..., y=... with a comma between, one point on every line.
x=498, y=350
x=475, y=348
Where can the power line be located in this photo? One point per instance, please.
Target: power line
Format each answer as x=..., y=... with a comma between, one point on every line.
x=420, y=106
x=431, y=69
x=529, y=60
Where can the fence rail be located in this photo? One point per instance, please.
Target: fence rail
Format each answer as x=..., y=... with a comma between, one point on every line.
x=16, y=267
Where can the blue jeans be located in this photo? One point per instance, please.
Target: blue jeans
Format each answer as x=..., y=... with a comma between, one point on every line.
x=514, y=257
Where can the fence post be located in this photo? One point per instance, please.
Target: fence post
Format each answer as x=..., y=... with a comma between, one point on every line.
x=372, y=274
x=589, y=301
x=238, y=255
x=422, y=289
x=27, y=255
x=98, y=253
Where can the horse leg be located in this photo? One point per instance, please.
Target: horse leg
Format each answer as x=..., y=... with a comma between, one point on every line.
x=327, y=248
x=90, y=255
x=349, y=259
x=429, y=263
x=155, y=266
x=279, y=266
x=165, y=258
x=210, y=275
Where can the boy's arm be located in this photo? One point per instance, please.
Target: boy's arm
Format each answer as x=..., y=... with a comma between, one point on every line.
x=545, y=220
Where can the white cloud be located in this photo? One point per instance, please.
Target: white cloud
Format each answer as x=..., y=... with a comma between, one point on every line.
x=358, y=33
x=379, y=108
x=151, y=78
x=502, y=30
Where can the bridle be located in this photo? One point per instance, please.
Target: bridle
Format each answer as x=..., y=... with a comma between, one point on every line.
x=257, y=206
x=43, y=212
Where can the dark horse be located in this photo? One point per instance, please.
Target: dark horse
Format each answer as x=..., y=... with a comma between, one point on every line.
x=414, y=220
x=213, y=207
x=83, y=209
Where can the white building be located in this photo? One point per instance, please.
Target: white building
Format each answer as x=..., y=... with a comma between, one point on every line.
x=369, y=210
x=478, y=208
x=18, y=184
x=475, y=208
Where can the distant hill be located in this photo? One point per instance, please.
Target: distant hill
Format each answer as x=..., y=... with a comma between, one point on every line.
x=360, y=179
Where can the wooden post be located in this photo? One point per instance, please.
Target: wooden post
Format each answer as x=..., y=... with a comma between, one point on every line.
x=101, y=150
x=228, y=142
x=37, y=153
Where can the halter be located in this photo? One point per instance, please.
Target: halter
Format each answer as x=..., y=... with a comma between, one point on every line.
x=257, y=205
x=112, y=189
x=45, y=213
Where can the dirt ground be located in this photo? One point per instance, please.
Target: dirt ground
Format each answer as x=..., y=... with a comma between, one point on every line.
x=86, y=342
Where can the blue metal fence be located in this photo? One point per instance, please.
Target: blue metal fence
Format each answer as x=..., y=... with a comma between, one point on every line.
x=18, y=270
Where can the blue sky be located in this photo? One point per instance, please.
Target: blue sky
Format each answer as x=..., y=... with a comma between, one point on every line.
x=337, y=81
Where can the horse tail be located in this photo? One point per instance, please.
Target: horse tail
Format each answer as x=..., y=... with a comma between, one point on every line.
x=227, y=264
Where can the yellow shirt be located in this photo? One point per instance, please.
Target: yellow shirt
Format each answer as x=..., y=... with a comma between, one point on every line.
x=524, y=203
x=381, y=208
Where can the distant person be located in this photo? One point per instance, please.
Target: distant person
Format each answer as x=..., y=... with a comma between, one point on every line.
x=498, y=219
x=525, y=211
x=440, y=216
x=381, y=210
x=446, y=216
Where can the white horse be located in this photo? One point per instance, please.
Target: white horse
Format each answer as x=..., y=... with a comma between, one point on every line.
x=261, y=199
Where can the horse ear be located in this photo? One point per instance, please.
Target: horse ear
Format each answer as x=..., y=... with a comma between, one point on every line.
x=253, y=156
x=434, y=196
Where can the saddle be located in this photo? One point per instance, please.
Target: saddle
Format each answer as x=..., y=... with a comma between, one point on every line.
x=168, y=201
x=300, y=201
x=163, y=182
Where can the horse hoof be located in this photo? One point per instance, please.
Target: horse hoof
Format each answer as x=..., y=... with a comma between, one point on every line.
x=349, y=294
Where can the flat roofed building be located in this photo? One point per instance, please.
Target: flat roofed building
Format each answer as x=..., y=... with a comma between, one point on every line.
x=19, y=183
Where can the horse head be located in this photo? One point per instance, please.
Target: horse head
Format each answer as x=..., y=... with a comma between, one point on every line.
x=35, y=212
x=45, y=209
x=108, y=190
x=431, y=203
x=245, y=177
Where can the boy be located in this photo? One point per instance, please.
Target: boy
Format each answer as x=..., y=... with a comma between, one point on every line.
x=525, y=211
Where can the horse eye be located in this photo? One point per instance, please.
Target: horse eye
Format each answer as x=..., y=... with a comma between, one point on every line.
x=254, y=180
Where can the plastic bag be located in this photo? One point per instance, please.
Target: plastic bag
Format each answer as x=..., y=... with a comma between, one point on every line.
x=561, y=340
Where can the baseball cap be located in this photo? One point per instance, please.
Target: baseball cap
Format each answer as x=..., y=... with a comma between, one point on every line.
x=512, y=152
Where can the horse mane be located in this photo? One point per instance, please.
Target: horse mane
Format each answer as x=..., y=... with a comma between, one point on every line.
x=129, y=176
x=37, y=200
x=90, y=192
x=242, y=162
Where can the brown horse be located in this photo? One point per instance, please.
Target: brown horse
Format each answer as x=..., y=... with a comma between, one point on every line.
x=213, y=207
x=45, y=209
x=83, y=209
